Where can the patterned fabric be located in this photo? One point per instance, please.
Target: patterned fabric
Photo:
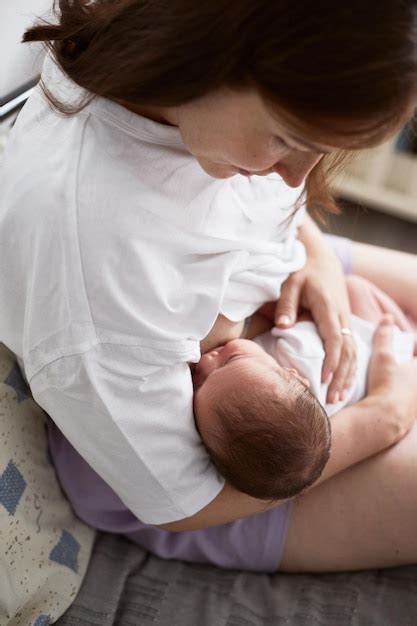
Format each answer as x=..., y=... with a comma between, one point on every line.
x=44, y=548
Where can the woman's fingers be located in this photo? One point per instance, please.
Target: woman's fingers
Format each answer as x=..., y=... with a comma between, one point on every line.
x=343, y=376
x=349, y=353
x=344, y=373
x=382, y=352
x=339, y=364
x=288, y=303
x=328, y=326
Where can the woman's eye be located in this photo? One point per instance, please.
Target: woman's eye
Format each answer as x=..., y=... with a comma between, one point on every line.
x=280, y=143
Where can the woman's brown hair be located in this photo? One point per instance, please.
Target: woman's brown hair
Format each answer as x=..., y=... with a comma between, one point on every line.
x=346, y=68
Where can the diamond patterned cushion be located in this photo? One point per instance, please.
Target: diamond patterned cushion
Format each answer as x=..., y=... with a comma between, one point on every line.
x=44, y=548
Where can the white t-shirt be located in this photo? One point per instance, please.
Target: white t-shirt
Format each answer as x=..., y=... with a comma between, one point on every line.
x=301, y=348
x=118, y=252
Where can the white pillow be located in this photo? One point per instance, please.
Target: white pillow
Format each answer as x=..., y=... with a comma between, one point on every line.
x=44, y=547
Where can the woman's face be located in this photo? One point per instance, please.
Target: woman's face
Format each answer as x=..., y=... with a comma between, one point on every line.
x=233, y=132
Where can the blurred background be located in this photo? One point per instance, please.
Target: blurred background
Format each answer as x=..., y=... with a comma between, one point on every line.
x=377, y=192
x=20, y=64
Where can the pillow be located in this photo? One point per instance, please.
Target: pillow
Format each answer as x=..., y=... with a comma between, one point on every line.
x=44, y=547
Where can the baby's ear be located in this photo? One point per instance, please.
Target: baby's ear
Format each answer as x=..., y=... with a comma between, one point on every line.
x=297, y=374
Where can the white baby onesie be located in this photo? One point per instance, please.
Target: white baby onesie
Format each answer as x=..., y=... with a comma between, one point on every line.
x=301, y=348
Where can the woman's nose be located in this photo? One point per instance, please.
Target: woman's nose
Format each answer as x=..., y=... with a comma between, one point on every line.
x=295, y=167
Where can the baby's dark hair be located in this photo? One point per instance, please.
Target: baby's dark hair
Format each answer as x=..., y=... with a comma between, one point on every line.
x=269, y=445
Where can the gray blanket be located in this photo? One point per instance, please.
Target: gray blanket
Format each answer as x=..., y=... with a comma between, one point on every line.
x=125, y=586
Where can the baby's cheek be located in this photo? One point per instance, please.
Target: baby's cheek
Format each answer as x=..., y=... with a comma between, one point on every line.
x=202, y=414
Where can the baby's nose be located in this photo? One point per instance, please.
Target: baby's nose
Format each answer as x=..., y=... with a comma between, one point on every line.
x=207, y=364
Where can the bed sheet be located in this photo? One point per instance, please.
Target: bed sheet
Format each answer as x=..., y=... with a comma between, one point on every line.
x=126, y=586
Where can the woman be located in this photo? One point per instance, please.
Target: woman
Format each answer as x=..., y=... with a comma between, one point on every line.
x=192, y=101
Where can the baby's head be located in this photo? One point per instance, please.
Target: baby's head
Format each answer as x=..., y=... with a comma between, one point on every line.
x=264, y=430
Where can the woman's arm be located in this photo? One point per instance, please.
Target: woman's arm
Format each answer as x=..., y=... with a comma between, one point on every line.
x=358, y=432
x=375, y=423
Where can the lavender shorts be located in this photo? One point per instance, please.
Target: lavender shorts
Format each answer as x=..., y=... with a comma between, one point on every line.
x=253, y=543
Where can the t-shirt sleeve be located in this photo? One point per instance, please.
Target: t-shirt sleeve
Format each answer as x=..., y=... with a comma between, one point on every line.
x=261, y=278
x=262, y=270
x=134, y=424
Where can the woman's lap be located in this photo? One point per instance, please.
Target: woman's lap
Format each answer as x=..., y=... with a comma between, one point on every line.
x=254, y=543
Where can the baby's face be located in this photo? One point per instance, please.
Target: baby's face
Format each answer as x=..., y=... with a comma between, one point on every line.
x=239, y=364
x=239, y=357
x=234, y=358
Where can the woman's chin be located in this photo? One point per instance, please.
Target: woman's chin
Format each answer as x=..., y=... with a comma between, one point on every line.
x=219, y=170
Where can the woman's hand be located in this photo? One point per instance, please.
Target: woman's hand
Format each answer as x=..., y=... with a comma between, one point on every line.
x=320, y=287
x=391, y=387
x=383, y=417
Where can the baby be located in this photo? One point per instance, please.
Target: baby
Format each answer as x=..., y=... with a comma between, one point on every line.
x=260, y=405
